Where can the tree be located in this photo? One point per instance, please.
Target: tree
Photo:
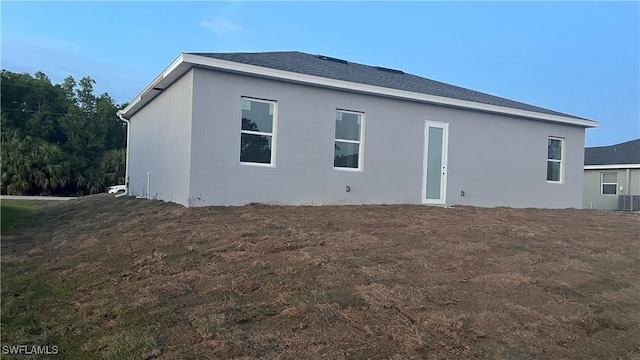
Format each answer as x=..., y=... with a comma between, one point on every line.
x=31, y=166
x=113, y=166
x=58, y=139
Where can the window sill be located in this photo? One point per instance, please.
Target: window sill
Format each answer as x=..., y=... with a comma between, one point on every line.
x=257, y=164
x=347, y=169
x=555, y=182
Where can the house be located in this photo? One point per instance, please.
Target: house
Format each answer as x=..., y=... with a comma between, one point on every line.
x=295, y=128
x=612, y=176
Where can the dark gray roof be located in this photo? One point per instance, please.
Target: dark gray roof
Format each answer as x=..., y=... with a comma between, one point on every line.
x=623, y=153
x=331, y=68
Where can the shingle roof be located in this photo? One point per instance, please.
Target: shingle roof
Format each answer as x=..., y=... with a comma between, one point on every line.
x=623, y=153
x=326, y=67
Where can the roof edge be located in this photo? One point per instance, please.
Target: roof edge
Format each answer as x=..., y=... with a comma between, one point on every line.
x=612, y=166
x=624, y=143
x=186, y=61
x=167, y=77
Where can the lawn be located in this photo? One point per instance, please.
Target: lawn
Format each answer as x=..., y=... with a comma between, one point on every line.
x=107, y=278
x=12, y=211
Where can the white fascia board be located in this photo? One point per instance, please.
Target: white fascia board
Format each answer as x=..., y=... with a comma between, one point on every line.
x=185, y=61
x=137, y=103
x=612, y=166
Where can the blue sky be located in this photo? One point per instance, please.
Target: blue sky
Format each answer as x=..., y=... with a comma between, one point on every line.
x=581, y=58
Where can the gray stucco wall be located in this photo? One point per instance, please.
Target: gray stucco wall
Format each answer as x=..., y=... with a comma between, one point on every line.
x=593, y=197
x=161, y=144
x=634, y=182
x=496, y=160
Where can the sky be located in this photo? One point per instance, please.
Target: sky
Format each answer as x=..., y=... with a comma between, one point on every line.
x=580, y=58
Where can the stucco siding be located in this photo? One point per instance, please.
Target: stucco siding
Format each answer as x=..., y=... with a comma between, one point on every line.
x=496, y=160
x=634, y=182
x=161, y=144
x=502, y=161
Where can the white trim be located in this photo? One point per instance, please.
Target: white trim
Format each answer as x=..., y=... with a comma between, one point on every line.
x=256, y=164
x=445, y=165
x=561, y=161
x=196, y=60
x=179, y=60
x=359, y=142
x=170, y=69
x=612, y=166
x=347, y=141
x=256, y=132
x=347, y=169
x=272, y=134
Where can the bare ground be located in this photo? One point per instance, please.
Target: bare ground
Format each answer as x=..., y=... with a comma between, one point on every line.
x=124, y=278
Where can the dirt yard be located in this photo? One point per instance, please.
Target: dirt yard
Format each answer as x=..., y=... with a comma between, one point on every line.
x=108, y=278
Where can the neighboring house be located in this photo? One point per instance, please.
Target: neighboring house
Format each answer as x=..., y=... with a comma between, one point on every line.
x=612, y=176
x=295, y=128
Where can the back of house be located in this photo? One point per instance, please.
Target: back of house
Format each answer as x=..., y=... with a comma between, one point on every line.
x=295, y=128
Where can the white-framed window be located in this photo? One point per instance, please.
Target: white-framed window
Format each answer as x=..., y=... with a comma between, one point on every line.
x=609, y=183
x=555, y=159
x=348, y=140
x=258, y=131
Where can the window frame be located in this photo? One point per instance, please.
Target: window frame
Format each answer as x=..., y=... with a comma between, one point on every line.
x=561, y=161
x=602, y=183
x=359, y=142
x=272, y=134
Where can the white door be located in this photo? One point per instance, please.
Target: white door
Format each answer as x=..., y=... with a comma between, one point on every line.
x=435, y=162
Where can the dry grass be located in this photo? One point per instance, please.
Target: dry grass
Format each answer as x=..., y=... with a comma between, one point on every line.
x=123, y=278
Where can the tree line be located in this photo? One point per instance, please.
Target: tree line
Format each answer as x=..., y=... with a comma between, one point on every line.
x=58, y=139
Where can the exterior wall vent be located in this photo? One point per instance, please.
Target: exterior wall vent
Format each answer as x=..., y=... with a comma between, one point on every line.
x=322, y=57
x=153, y=86
x=389, y=70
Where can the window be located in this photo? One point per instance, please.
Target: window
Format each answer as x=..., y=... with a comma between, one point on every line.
x=257, y=134
x=555, y=154
x=609, y=183
x=348, y=140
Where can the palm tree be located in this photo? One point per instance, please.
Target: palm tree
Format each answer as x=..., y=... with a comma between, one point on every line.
x=112, y=165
